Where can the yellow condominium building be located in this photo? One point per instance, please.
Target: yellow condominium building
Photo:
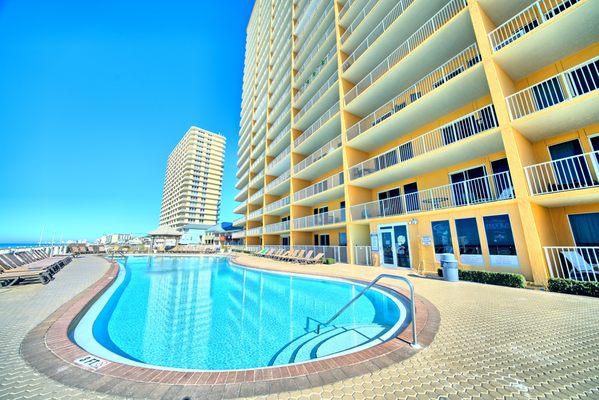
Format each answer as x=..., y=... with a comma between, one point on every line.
x=392, y=132
x=193, y=182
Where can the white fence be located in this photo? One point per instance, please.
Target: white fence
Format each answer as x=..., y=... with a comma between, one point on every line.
x=363, y=255
x=339, y=253
x=319, y=187
x=280, y=179
x=334, y=110
x=322, y=219
x=321, y=152
x=277, y=227
x=277, y=204
x=570, y=173
x=579, y=263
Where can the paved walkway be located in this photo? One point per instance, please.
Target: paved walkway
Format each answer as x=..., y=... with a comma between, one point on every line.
x=493, y=342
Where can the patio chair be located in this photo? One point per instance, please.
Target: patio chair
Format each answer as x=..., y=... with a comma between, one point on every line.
x=260, y=252
x=298, y=257
x=269, y=253
x=308, y=256
x=286, y=254
x=580, y=266
x=316, y=259
x=12, y=277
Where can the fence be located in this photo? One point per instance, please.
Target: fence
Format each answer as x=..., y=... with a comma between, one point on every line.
x=574, y=262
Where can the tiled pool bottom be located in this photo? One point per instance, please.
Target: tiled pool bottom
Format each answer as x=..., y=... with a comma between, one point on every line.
x=49, y=349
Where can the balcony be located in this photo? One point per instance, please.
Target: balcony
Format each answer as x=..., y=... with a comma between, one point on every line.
x=324, y=68
x=457, y=32
x=280, y=185
x=242, y=194
x=459, y=81
x=258, y=164
x=580, y=263
x=280, y=142
x=307, y=34
x=326, y=127
x=255, y=215
x=278, y=207
x=327, y=219
x=318, y=104
x=279, y=227
x=240, y=208
x=327, y=189
x=256, y=198
x=239, y=222
x=561, y=103
x=365, y=11
x=487, y=189
x=254, y=231
x=325, y=158
x=280, y=164
x=257, y=181
x=238, y=235
x=580, y=173
x=476, y=133
x=317, y=53
x=553, y=30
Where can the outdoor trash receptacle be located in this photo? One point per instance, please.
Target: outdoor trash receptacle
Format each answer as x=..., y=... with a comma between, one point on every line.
x=450, y=268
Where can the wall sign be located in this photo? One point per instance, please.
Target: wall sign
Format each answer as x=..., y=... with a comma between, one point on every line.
x=426, y=240
x=374, y=241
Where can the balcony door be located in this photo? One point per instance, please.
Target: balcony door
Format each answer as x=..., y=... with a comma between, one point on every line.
x=469, y=186
x=595, y=157
x=569, y=166
x=394, y=246
x=389, y=203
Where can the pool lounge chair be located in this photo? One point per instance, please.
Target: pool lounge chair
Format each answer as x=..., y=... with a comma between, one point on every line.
x=581, y=269
x=277, y=253
x=292, y=256
x=315, y=259
x=308, y=256
x=286, y=254
x=298, y=257
x=260, y=252
x=268, y=253
x=12, y=277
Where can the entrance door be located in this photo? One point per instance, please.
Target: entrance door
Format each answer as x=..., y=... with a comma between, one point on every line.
x=387, y=256
x=395, y=246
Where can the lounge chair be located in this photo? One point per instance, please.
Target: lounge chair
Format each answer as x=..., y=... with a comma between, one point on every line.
x=277, y=253
x=12, y=277
x=308, y=256
x=316, y=259
x=269, y=253
x=299, y=257
x=260, y=252
x=580, y=266
x=284, y=255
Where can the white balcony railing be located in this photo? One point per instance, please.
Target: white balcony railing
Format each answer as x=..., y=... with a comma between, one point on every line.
x=238, y=235
x=327, y=218
x=562, y=87
x=331, y=55
x=275, y=205
x=254, y=214
x=463, y=61
x=319, y=187
x=526, y=20
x=279, y=137
x=569, y=173
x=257, y=178
x=254, y=231
x=431, y=26
x=280, y=157
x=239, y=221
x=329, y=33
x=358, y=19
x=474, y=123
x=580, y=263
x=256, y=195
x=486, y=189
x=323, y=89
x=303, y=34
x=345, y=7
x=316, y=125
x=279, y=180
x=318, y=154
x=277, y=227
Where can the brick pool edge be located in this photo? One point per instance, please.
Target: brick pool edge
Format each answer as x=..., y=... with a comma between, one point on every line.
x=49, y=350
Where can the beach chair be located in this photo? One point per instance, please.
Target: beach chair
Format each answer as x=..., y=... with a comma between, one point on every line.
x=316, y=259
x=307, y=257
x=284, y=254
x=260, y=252
x=290, y=256
x=581, y=268
x=13, y=277
x=298, y=257
x=277, y=253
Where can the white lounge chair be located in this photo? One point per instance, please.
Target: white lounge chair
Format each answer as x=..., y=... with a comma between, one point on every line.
x=580, y=267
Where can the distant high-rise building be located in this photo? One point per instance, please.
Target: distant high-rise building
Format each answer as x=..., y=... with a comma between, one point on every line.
x=193, y=182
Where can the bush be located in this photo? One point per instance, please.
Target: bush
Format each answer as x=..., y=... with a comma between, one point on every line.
x=328, y=261
x=571, y=286
x=491, y=278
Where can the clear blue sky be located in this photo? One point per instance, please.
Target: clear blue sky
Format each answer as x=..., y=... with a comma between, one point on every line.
x=93, y=97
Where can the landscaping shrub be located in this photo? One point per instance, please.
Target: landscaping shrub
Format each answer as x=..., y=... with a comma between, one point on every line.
x=328, y=261
x=491, y=278
x=571, y=286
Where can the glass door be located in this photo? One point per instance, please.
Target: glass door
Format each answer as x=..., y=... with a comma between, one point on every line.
x=387, y=246
x=394, y=246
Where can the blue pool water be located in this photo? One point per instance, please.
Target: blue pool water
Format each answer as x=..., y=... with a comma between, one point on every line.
x=206, y=313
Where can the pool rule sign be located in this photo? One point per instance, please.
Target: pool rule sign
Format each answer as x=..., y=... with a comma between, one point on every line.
x=92, y=362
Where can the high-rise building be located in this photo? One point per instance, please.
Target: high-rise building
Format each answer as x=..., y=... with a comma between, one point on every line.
x=192, y=186
x=393, y=132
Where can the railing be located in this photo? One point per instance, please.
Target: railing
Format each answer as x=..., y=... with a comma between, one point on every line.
x=316, y=125
x=305, y=17
x=239, y=221
x=327, y=12
x=486, y=189
x=257, y=178
x=345, y=7
x=254, y=214
x=277, y=247
x=358, y=19
x=370, y=285
x=323, y=89
x=277, y=227
x=238, y=235
x=318, y=154
x=258, y=161
x=466, y=59
x=562, y=87
x=580, y=263
x=331, y=33
x=527, y=20
x=319, y=187
x=431, y=26
x=377, y=32
x=280, y=157
x=254, y=231
x=281, y=118
x=280, y=179
x=240, y=206
x=322, y=219
x=331, y=55
x=455, y=131
x=338, y=253
x=49, y=250
x=363, y=255
x=256, y=195
x=277, y=204
x=569, y=173
x=280, y=136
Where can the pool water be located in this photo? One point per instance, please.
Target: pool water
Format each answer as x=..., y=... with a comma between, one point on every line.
x=206, y=313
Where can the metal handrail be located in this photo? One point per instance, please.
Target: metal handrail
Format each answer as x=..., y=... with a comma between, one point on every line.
x=371, y=284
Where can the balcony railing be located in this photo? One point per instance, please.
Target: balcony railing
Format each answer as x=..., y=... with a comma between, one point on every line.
x=331, y=55
x=338, y=253
x=562, y=87
x=279, y=180
x=302, y=33
x=526, y=20
x=382, y=26
x=481, y=190
x=327, y=218
x=580, y=263
x=239, y=221
x=452, y=68
x=456, y=131
x=277, y=227
x=570, y=173
x=329, y=32
x=257, y=178
x=358, y=19
x=431, y=26
x=345, y=7
x=305, y=16
x=254, y=231
x=280, y=157
x=279, y=137
x=238, y=235
x=256, y=195
x=319, y=187
x=318, y=154
x=316, y=125
x=277, y=204
x=323, y=89
x=254, y=214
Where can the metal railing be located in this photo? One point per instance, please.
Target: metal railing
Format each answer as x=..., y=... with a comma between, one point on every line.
x=306, y=16
x=280, y=157
x=570, y=173
x=255, y=213
x=363, y=255
x=363, y=292
x=358, y=19
x=323, y=89
x=240, y=207
x=322, y=219
x=285, y=116
x=527, y=20
x=256, y=195
x=277, y=204
x=580, y=263
x=338, y=253
x=322, y=152
x=305, y=63
x=279, y=137
x=277, y=227
x=254, y=231
x=469, y=125
x=280, y=179
x=257, y=178
x=319, y=187
x=327, y=12
x=382, y=26
x=463, y=61
x=345, y=7
x=334, y=110
x=238, y=235
x=486, y=189
x=239, y=221
x=431, y=26
x=562, y=87
x=331, y=55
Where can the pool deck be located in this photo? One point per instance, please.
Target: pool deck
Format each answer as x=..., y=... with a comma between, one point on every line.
x=492, y=342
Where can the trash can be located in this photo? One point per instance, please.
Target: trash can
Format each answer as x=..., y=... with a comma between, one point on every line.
x=450, y=267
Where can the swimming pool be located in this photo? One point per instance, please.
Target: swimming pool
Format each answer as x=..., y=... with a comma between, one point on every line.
x=206, y=313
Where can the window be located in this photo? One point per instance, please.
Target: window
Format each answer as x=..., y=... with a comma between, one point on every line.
x=442, y=237
x=585, y=229
x=342, y=239
x=468, y=239
x=569, y=166
x=502, y=249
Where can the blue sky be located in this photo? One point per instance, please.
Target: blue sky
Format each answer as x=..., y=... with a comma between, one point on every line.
x=93, y=97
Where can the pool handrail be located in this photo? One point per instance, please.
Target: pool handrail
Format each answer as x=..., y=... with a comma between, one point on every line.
x=371, y=284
